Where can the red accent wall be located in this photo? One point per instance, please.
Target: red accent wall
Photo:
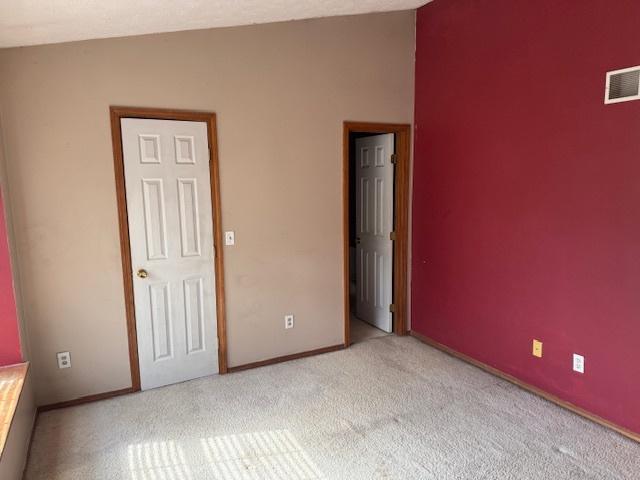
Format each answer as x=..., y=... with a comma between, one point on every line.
x=9, y=336
x=526, y=203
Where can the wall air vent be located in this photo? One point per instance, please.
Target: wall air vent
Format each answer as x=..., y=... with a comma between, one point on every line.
x=623, y=85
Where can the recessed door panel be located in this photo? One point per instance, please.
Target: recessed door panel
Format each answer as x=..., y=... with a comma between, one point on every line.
x=194, y=314
x=185, y=149
x=149, y=148
x=379, y=276
x=162, y=332
x=379, y=207
x=154, y=218
x=365, y=206
x=189, y=218
x=365, y=160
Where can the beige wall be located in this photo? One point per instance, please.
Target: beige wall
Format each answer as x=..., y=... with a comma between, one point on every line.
x=281, y=92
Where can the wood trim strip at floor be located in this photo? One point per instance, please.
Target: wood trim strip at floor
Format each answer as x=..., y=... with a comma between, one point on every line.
x=530, y=388
x=286, y=358
x=88, y=399
x=103, y=396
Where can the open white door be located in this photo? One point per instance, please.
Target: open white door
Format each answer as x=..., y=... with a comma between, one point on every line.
x=374, y=224
x=169, y=210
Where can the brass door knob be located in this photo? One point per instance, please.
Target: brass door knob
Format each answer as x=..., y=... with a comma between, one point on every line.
x=142, y=273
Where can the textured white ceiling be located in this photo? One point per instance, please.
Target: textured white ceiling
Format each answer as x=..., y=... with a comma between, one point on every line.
x=33, y=22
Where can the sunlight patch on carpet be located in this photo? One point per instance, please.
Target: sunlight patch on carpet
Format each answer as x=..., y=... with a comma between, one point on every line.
x=158, y=461
x=274, y=454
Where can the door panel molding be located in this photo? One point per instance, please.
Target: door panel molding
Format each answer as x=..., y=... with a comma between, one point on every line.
x=401, y=218
x=117, y=113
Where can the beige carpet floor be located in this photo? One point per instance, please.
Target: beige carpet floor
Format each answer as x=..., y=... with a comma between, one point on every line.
x=386, y=408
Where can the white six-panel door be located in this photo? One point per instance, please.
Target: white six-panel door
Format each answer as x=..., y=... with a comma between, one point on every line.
x=374, y=224
x=169, y=210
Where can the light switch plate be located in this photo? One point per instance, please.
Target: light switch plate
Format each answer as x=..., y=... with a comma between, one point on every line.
x=229, y=238
x=537, y=348
x=578, y=363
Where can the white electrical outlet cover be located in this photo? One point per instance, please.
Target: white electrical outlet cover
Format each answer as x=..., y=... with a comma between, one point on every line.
x=64, y=359
x=578, y=363
x=288, y=321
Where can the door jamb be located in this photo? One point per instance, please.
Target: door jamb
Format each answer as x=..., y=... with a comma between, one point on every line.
x=400, y=213
x=117, y=113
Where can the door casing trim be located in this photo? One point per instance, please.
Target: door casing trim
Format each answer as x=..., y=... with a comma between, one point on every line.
x=117, y=113
x=401, y=218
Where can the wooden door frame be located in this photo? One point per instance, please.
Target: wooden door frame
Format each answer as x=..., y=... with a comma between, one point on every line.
x=118, y=113
x=401, y=218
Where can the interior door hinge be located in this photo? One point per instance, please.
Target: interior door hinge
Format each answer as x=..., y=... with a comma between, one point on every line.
x=392, y=307
x=394, y=158
x=393, y=236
